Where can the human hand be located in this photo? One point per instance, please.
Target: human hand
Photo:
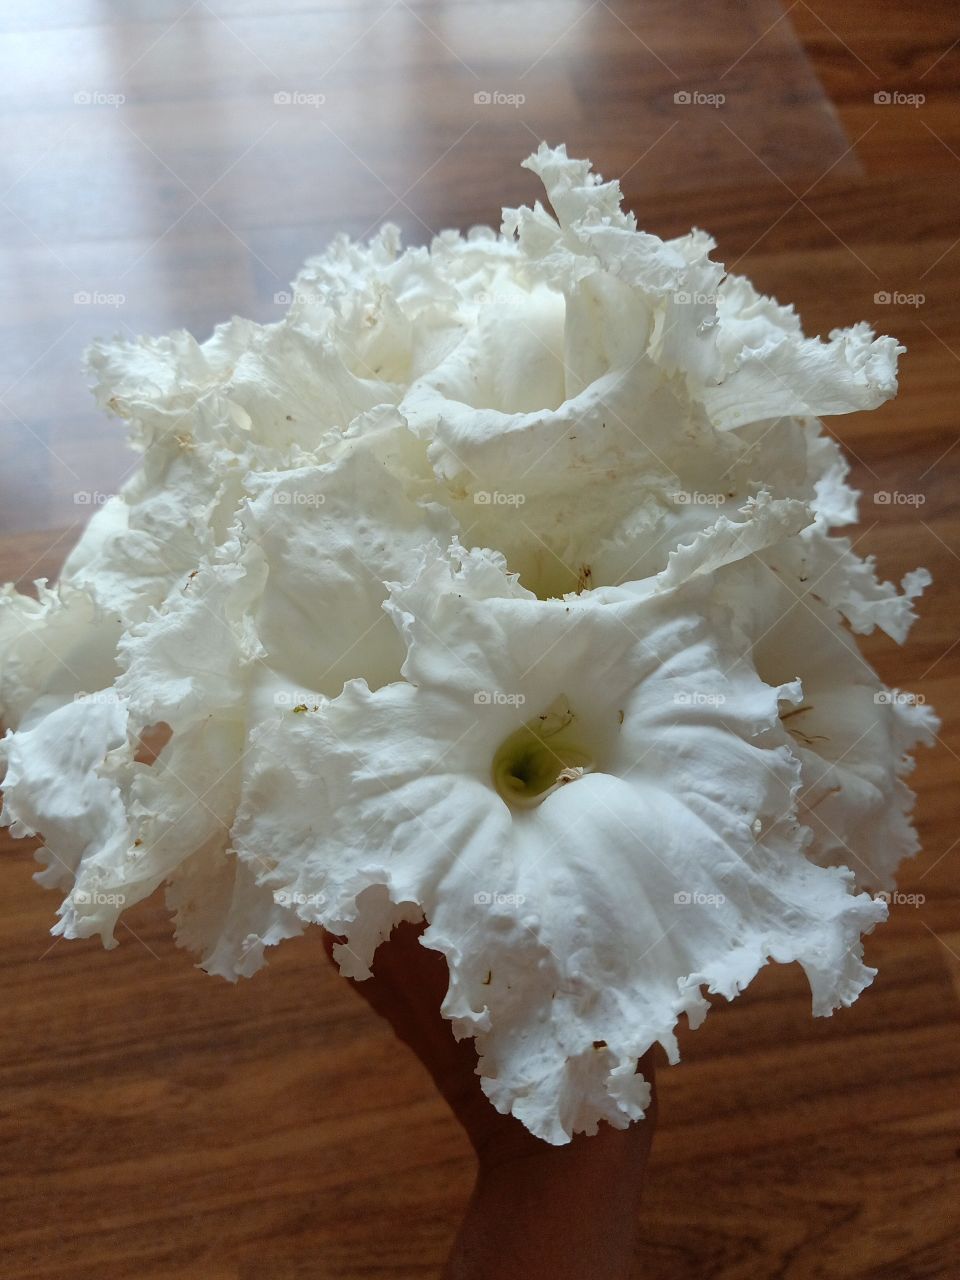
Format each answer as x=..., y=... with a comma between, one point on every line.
x=537, y=1210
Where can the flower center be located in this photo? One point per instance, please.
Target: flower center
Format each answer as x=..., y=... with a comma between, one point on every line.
x=540, y=757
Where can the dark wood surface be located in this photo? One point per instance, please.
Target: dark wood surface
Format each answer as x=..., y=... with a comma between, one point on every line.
x=158, y=1123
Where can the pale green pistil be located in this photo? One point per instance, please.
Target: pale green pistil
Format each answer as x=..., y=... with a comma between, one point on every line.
x=540, y=757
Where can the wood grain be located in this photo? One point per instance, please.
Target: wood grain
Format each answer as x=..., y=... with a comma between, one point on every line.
x=157, y=1123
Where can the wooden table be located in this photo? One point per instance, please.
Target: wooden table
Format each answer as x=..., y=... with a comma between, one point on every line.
x=158, y=1123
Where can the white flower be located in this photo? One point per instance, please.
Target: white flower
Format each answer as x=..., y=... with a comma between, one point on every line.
x=495, y=585
x=629, y=796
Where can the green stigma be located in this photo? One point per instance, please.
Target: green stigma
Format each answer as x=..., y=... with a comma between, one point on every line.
x=540, y=757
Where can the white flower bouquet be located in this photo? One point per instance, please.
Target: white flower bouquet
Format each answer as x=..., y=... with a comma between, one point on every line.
x=496, y=586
